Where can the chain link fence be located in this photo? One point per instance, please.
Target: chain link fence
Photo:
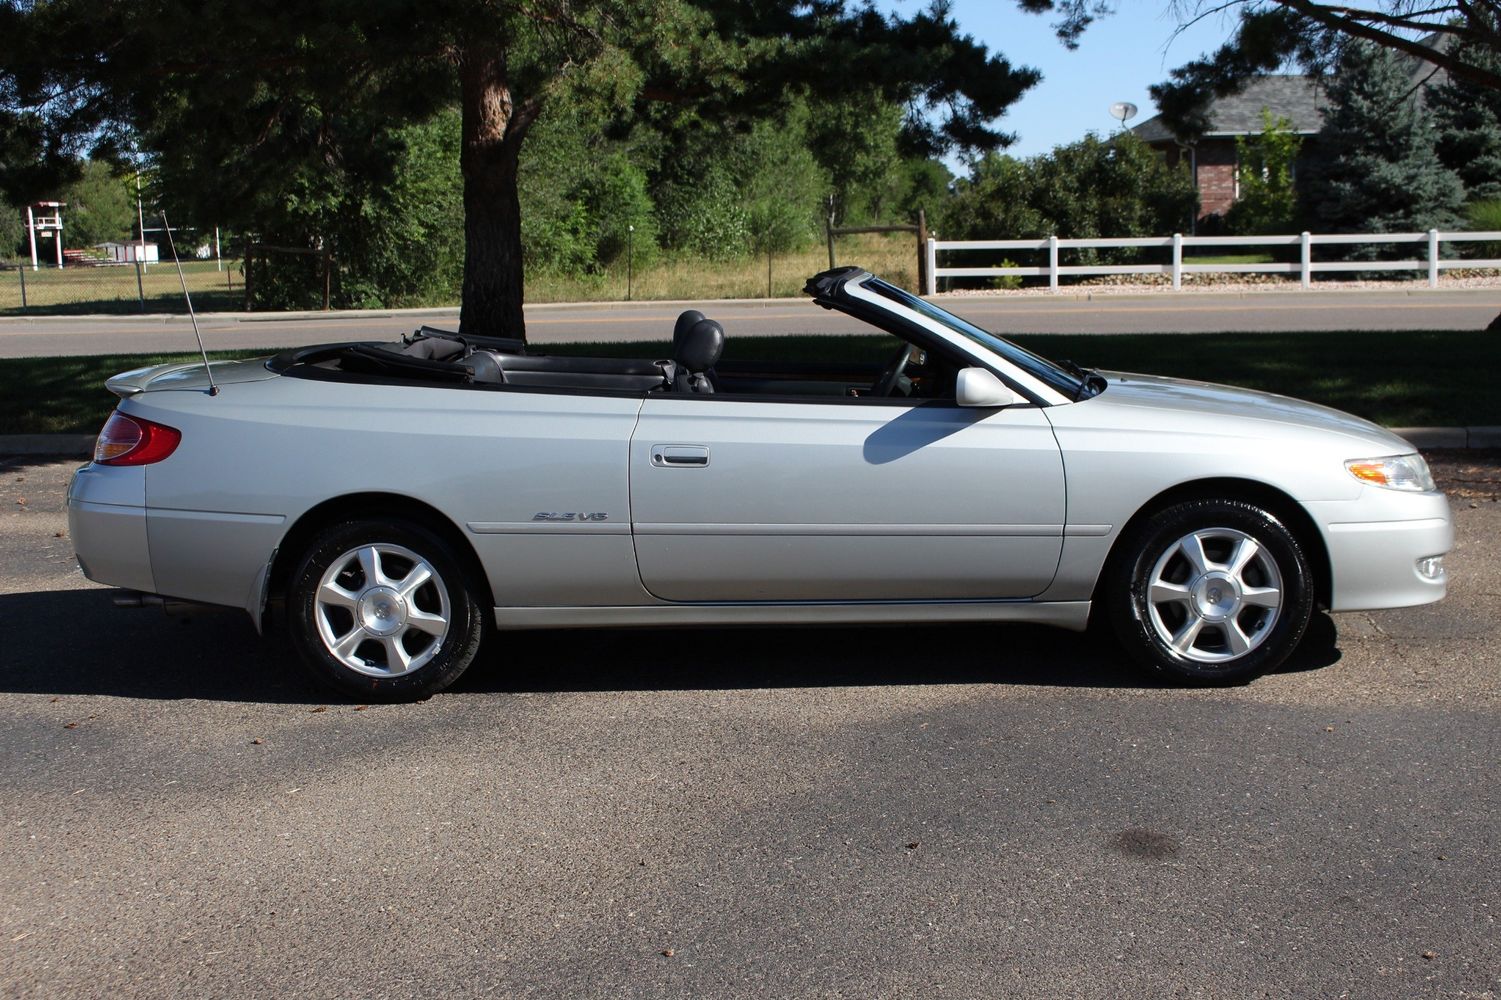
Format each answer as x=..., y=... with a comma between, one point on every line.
x=151, y=287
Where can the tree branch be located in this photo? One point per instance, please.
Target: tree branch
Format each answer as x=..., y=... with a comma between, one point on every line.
x=1349, y=25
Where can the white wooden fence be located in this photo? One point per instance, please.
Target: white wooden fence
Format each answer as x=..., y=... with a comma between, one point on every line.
x=1305, y=268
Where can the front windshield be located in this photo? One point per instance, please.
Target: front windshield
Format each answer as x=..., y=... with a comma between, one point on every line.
x=1033, y=364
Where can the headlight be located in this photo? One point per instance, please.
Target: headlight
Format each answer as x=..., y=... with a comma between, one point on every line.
x=1395, y=472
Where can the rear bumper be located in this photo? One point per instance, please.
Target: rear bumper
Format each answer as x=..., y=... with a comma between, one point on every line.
x=107, y=524
x=1376, y=543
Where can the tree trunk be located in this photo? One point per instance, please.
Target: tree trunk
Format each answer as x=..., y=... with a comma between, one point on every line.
x=493, y=128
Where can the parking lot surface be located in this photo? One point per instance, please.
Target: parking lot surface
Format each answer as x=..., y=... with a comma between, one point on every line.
x=945, y=812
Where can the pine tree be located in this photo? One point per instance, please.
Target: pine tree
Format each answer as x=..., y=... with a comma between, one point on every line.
x=1469, y=129
x=1375, y=168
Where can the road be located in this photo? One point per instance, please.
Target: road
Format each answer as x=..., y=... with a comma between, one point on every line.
x=1195, y=312
x=924, y=812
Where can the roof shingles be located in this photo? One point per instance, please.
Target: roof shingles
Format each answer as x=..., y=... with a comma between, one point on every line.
x=1293, y=96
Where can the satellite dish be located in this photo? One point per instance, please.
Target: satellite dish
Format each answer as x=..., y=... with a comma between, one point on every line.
x=1123, y=111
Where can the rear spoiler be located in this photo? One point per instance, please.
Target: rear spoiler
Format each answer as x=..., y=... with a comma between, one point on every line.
x=127, y=384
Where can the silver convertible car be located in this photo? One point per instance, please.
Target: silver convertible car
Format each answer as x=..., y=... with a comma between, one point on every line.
x=392, y=504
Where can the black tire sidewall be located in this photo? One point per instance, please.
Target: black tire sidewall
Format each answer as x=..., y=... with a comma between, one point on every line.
x=466, y=624
x=1130, y=577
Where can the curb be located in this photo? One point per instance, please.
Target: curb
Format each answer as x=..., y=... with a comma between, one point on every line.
x=72, y=445
x=1450, y=437
x=47, y=444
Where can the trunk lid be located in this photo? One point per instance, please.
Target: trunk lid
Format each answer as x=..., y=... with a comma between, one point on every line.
x=153, y=378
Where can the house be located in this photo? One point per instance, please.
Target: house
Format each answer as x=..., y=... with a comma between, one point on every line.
x=1297, y=97
x=1212, y=159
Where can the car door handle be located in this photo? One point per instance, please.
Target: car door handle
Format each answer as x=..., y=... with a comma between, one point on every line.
x=679, y=456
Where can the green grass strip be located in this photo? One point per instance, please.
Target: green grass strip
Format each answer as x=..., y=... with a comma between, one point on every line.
x=1400, y=379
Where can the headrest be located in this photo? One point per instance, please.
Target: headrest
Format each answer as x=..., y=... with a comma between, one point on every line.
x=680, y=329
x=701, y=346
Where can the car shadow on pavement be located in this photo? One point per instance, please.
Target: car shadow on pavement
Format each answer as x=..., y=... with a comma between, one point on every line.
x=68, y=642
x=826, y=656
x=22, y=463
x=78, y=642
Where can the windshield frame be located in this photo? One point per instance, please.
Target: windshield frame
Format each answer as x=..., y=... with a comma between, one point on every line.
x=1057, y=378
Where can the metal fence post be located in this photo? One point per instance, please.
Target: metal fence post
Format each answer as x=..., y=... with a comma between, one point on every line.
x=1052, y=263
x=828, y=228
x=1433, y=258
x=1305, y=244
x=922, y=248
x=1177, y=261
x=932, y=266
x=140, y=288
x=22, y=272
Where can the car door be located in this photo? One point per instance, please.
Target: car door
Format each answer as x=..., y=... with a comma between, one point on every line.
x=768, y=499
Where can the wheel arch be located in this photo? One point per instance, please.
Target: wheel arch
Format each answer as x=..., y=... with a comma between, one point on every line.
x=1273, y=500
x=353, y=506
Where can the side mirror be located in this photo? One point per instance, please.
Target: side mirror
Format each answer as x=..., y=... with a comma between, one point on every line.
x=980, y=387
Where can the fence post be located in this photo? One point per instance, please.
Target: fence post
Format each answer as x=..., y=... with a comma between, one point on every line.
x=249, y=274
x=140, y=288
x=22, y=272
x=1052, y=263
x=1305, y=244
x=1433, y=258
x=1177, y=261
x=922, y=248
x=327, y=269
x=932, y=266
x=828, y=228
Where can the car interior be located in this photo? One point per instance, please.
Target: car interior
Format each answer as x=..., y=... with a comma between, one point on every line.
x=696, y=367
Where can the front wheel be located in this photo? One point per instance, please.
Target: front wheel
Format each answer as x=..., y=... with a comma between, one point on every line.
x=1211, y=591
x=383, y=610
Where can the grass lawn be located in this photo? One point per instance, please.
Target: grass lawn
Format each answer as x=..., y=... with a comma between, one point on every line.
x=79, y=290
x=893, y=257
x=1227, y=258
x=1400, y=379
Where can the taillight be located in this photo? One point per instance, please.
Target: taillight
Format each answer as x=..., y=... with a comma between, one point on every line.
x=129, y=440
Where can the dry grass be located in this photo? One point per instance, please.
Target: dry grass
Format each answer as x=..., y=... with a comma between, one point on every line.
x=113, y=289
x=892, y=257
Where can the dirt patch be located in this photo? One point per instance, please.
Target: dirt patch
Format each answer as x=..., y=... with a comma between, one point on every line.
x=1473, y=475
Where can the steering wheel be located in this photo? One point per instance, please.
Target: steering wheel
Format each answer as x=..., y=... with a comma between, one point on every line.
x=892, y=373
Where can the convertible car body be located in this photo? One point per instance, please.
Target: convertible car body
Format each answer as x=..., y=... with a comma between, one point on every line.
x=395, y=501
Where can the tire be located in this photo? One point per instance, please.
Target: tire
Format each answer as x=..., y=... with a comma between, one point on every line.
x=1210, y=592
x=384, y=611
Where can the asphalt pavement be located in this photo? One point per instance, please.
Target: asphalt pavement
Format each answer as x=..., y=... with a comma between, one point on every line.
x=1104, y=313
x=925, y=812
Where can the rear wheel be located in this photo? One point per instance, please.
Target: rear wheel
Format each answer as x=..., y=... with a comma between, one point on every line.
x=1214, y=591
x=383, y=610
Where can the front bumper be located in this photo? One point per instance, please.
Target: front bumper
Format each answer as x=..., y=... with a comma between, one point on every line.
x=1376, y=543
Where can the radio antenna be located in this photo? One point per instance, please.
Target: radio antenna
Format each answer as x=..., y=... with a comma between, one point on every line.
x=213, y=388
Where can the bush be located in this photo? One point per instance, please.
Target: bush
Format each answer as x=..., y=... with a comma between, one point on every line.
x=1006, y=282
x=616, y=200
x=1088, y=189
x=705, y=216
x=1268, y=203
x=1485, y=217
x=12, y=230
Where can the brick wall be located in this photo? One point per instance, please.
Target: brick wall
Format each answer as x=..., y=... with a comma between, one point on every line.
x=1216, y=180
